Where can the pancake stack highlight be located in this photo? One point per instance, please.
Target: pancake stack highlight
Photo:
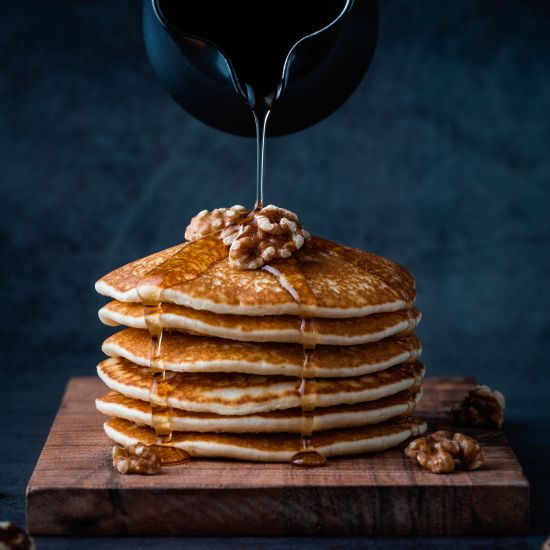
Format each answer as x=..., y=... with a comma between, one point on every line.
x=312, y=356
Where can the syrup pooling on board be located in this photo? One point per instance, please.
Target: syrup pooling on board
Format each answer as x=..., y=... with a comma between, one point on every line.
x=189, y=262
x=291, y=279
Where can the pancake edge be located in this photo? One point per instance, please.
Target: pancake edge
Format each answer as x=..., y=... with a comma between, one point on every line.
x=287, y=400
x=206, y=449
x=290, y=308
x=182, y=323
x=262, y=368
x=259, y=423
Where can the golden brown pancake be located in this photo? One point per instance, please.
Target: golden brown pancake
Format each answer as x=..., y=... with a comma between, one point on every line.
x=239, y=394
x=343, y=281
x=236, y=345
x=290, y=420
x=188, y=353
x=274, y=447
x=279, y=328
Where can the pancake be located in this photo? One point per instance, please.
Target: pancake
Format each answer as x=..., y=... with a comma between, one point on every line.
x=187, y=353
x=281, y=328
x=239, y=394
x=343, y=282
x=274, y=447
x=289, y=420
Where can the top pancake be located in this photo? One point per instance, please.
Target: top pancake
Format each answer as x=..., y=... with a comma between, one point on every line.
x=322, y=279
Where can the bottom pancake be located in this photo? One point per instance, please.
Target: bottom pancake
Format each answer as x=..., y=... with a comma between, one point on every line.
x=289, y=420
x=274, y=447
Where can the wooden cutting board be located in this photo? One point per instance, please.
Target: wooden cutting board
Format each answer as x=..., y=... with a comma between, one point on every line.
x=74, y=490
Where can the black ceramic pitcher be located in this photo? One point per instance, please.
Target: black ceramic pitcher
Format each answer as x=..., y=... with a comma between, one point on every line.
x=194, y=47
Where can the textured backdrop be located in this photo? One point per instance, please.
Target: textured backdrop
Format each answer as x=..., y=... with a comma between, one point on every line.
x=439, y=161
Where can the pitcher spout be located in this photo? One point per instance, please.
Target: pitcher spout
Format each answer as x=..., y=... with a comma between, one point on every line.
x=221, y=59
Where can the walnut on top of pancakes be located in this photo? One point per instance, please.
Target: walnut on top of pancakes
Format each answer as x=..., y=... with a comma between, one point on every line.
x=254, y=238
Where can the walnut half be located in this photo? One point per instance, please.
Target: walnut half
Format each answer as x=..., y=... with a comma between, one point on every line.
x=137, y=459
x=273, y=233
x=223, y=220
x=440, y=451
x=254, y=238
x=481, y=408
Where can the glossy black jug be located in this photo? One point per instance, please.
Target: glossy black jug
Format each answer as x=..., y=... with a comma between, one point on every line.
x=301, y=59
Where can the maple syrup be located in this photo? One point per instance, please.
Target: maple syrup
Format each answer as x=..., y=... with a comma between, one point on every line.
x=260, y=119
x=291, y=279
x=170, y=456
x=189, y=262
x=309, y=456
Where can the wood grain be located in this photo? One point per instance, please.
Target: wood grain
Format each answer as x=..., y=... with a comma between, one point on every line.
x=74, y=490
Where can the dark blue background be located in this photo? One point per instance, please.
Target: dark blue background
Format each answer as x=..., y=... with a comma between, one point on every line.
x=440, y=161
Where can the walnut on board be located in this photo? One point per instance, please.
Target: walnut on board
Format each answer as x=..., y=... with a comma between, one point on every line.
x=439, y=452
x=481, y=408
x=137, y=459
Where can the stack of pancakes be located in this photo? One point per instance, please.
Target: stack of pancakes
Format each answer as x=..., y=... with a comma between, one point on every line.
x=315, y=353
